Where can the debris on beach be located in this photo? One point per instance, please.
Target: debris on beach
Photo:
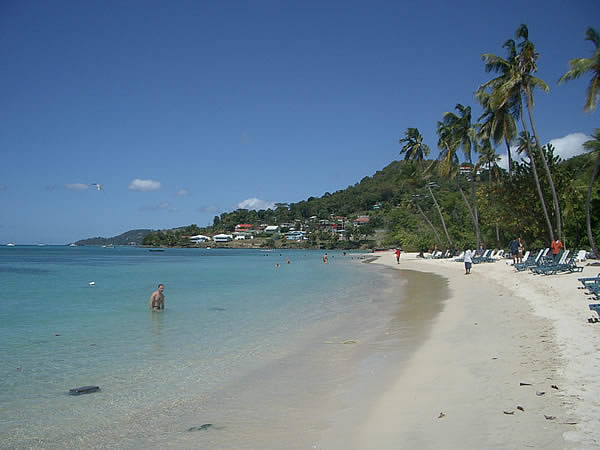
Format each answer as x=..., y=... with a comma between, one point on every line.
x=442, y=415
x=524, y=384
x=554, y=387
x=520, y=408
x=509, y=413
x=549, y=417
x=539, y=393
x=348, y=341
x=204, y=427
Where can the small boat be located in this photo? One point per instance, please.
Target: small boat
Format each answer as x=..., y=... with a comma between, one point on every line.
x=156, y=250
x=10, y=244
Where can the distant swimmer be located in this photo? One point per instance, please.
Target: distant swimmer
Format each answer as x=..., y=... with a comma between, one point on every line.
x=325, y=257
x=287, y=260
x=98, y=186
x=157, y=299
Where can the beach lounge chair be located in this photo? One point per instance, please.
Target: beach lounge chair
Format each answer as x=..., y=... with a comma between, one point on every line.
x=581, y=255
x=460, y=257
x=482, y=257
x=529, y=261
x=551, y=267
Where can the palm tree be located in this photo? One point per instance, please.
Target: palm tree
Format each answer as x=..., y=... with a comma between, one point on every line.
x=594, y=146
x=499, y=124
x=580, y=66
x=490, y=159
x=463, y=134
x=435, y=231
x=524, y=146
x=414, y=149
x=448, y=162
x=527, y=64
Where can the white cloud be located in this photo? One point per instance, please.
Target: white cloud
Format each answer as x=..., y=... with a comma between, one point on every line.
x=144, y=185
x=76, y=186
x=256, y=203
x=566, y=147
x=570, y=145
x=182, y=192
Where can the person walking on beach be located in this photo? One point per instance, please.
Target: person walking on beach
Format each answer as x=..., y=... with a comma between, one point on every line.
x=157, y=299
x=556, y=246
x=468, y=260
x=398, y=252
x=325, y=258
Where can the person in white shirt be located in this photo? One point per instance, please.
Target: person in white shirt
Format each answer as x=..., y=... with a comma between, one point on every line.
x=468, y=260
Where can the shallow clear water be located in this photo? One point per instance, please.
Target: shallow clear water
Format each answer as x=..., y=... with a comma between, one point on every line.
x=231, y=318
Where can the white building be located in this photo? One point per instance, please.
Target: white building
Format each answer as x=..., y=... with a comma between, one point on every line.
x=222, y=237
x=199, y=238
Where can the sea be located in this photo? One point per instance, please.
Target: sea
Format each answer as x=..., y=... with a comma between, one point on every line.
x=255, y=348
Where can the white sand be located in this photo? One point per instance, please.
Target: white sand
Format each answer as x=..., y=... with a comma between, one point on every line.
x=500, y=328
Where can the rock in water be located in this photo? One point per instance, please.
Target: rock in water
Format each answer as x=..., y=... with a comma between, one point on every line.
x=84, y=390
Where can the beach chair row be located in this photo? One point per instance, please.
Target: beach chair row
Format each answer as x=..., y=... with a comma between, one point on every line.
x=487, y=256
x=543, y=264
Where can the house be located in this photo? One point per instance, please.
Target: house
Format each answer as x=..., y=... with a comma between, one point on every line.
x=361, y=220
x=296, y=236
x=272, y=229
x=199, y=238
x=222, y=237
x=243, y=227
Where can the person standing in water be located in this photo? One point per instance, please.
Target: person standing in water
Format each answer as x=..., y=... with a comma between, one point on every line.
x=325, y=258
x=157, y=299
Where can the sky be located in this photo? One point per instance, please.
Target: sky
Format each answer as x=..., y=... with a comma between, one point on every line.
x=183, y=110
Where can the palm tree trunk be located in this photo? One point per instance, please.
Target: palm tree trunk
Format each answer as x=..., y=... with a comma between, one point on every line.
x=493, y=199
x=546, y=167
x=588, y=201
x=509, y=156
x=464, y=196
x=475, y=214
x=437, y=235
x=537, y=179
x=441, y=217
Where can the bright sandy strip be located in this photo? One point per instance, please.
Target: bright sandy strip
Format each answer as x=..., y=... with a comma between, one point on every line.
x=499, y=328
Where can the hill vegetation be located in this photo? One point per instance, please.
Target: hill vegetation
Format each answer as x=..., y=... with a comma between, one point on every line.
x=132, y=237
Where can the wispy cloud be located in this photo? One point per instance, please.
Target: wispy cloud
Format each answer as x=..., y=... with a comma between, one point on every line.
x=255, y=203
x=77, y=186
x=182, y=192
x=158, y=207
x=140, y=185
x=207, y=209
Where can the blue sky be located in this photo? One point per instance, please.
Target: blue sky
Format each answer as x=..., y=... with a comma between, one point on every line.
x=186, y=109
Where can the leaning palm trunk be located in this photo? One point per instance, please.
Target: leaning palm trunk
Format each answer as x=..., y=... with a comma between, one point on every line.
x=588, y=201
x=437, y=235
x=493, y=199
x=441, y=216
x=475, y=214
x=537, y=180
x=464, y=196
x=545, y=162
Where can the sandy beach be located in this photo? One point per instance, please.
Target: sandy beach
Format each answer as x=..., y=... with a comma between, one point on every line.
x=510, y=362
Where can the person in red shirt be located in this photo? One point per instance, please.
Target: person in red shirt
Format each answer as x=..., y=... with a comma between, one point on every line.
x=556, y=246
x=398, y=251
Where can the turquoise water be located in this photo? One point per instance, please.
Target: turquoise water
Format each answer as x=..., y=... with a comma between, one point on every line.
x=230, y=316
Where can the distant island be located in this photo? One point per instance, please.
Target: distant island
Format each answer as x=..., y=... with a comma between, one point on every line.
x=131, y=237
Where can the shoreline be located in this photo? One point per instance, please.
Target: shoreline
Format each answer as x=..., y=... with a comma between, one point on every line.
x=498, y=330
